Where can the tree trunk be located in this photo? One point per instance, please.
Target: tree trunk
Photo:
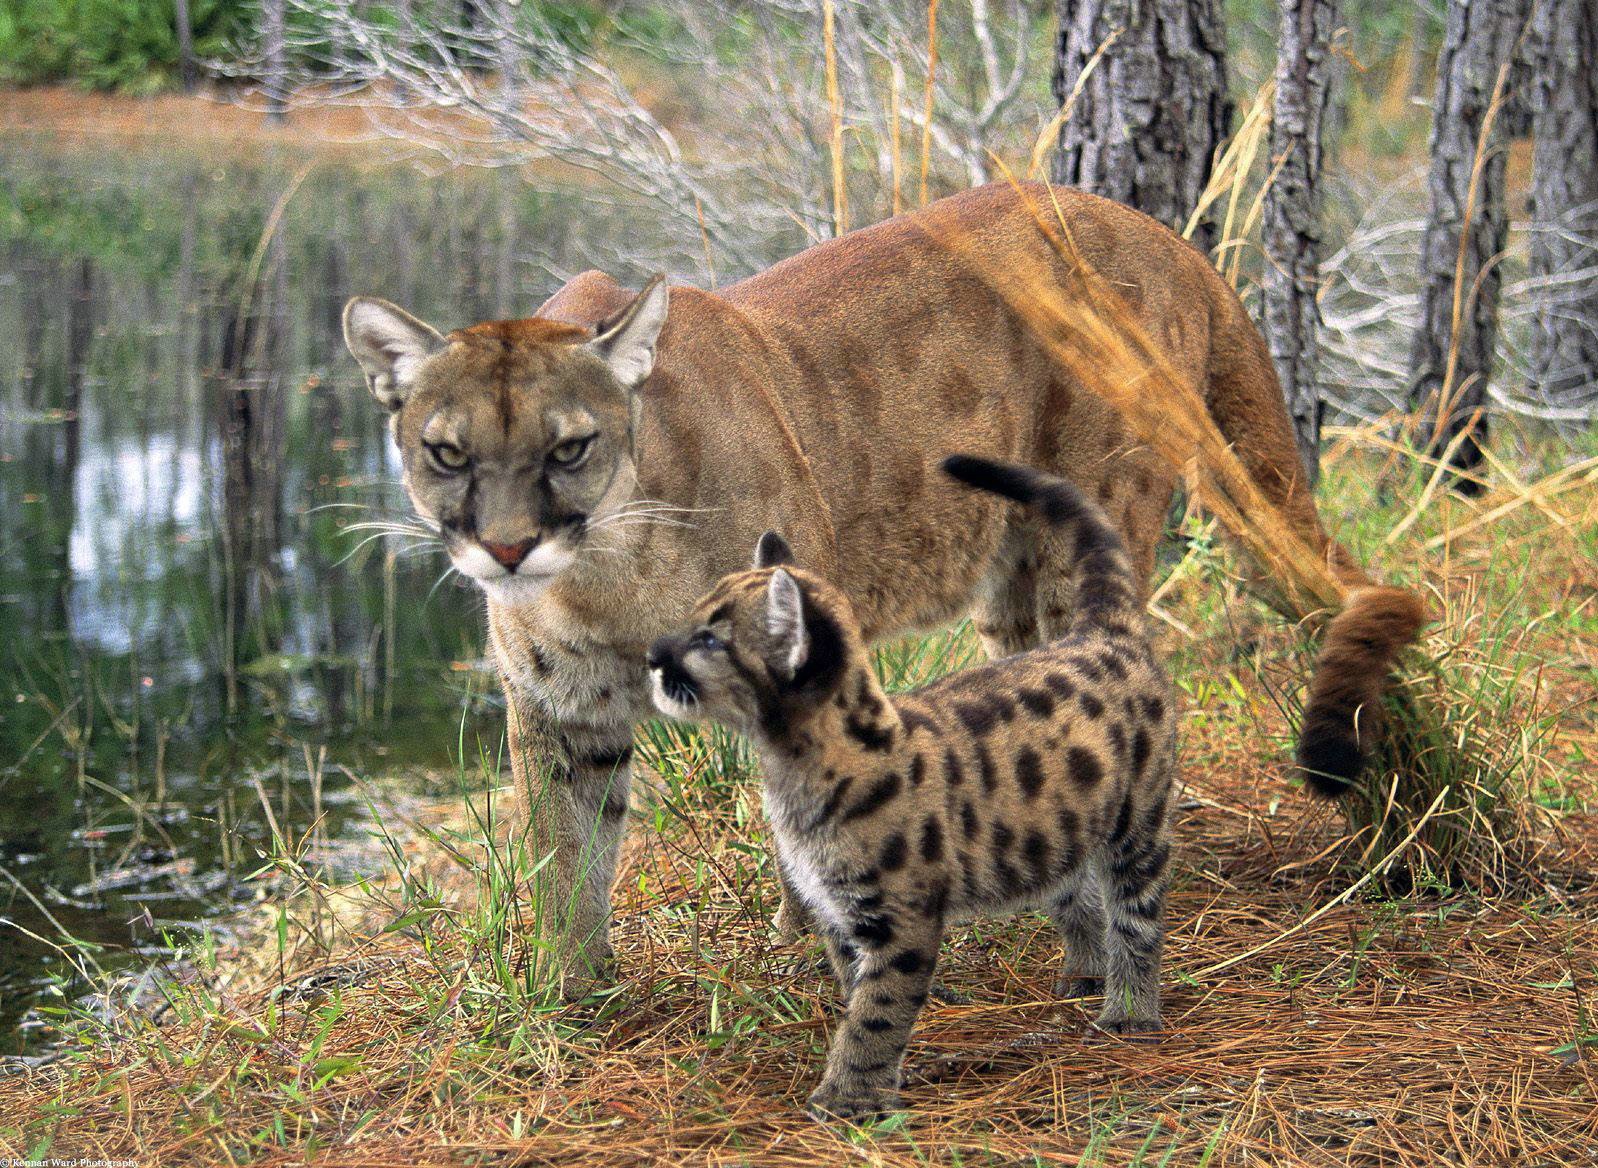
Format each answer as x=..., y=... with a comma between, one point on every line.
x=1293, y=213
x=1564, y=205
x=276, y=79
x=186, y=69
x=1451, y=356
x=1147, y=122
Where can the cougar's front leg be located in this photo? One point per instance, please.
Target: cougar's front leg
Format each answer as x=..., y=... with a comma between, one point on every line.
x=574, y=782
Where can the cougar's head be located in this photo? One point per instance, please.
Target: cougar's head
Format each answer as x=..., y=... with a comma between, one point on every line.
x=764, y=648
x=516, y=436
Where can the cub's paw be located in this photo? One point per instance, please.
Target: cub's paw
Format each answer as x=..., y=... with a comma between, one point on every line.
x=1071, y=986
x=1131, y=1029
x=854, y=1102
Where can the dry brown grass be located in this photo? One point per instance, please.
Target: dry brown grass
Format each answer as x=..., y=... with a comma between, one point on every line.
x=1305, y=1029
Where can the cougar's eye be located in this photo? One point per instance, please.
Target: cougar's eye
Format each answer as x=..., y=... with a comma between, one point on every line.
x=572, y=451
x=447, y=457
x=708, y=641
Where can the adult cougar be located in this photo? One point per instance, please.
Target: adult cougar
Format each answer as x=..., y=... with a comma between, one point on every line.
x=598, y=467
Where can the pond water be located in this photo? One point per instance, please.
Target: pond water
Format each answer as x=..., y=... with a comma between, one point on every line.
x=190, y=630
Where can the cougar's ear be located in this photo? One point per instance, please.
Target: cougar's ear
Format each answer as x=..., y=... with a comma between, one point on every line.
x=785, y=621
x=626, y=341
x=390, y=345
x=772, y=550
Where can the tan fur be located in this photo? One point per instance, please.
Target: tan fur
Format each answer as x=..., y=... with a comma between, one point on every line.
x=815, y=398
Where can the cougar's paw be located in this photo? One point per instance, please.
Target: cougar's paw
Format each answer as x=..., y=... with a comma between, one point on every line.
x=792, y=922
x=853, y=1102
x=586, y=976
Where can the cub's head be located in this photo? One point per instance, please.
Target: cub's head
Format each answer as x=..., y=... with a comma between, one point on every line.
x=516, y=436
x=765, y=647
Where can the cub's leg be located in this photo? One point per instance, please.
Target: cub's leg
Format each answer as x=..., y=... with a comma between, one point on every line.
x=892, y=971
x=575, y=781
x=1004, y=613
x=842, y=955
x=1078, y=914
x=1135, y=870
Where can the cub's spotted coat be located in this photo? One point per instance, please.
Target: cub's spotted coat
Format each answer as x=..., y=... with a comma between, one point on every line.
x=1038, y=781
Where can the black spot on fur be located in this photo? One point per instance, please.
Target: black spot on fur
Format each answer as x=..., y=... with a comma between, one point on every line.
x=1154, y=707
x=1085, y=767
x=931, y=840
x=872, y=737
x=1140, y=751
x=1035, y=851
x=915, y=720
x=1039, y=702
x=873, y=932
x=894, y=853
x=990, y=777
x=909, y=961
x=953, y=772
x=1062, y=685
x=876, y=1025
x=1091, y=706
x=1070, y=826
x=1118, y=740
x=834, y=801
x=968, y=820
x=918, y=770
x=610, y=760
x=978, y=716
x=876, y=795
x=1123, y=821
x=1003, y=837
x=1029, y=771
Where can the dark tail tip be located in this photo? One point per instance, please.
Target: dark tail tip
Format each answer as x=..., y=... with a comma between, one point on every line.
x=1342, y=713
x=1012, y=482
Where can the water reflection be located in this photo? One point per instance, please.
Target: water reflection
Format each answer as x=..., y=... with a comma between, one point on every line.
x=183, y=625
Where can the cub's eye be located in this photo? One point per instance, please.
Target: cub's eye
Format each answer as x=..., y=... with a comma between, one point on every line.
x=448, y=457
x=708, y=641
x=572, y=451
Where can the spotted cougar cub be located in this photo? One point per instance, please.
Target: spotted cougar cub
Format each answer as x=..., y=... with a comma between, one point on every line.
x=1037, y=781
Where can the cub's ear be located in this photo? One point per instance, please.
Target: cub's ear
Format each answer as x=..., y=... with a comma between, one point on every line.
x=785, y=621
x=772, y=550
x=390, y=345
x=626, y=341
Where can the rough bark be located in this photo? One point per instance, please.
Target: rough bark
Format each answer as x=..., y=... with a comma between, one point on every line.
x=1564, y=206
x=1451, y=355
x=185, y=29
x=275, y=58
x=1292, y=228
x=1147, y=122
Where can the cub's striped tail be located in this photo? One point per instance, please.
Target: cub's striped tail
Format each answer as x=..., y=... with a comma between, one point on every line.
x=1101, y=572
x=1342, y=714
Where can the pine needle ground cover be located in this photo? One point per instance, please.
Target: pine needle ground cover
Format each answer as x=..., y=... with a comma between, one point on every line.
x=1313, y=1019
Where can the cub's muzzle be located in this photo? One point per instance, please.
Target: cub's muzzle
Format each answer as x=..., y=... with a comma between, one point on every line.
x=665, y=663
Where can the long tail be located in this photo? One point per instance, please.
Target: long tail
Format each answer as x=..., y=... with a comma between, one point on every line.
x=1342, y=714
x=1106, y=589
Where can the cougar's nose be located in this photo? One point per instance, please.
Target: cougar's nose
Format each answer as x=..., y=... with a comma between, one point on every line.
x=660, y=653
x=509, y=554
